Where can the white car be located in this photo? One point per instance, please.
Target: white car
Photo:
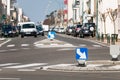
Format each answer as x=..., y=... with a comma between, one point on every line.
x=61, y=30
x=28, y=28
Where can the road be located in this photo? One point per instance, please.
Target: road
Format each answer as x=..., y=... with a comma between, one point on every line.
x=21, y=59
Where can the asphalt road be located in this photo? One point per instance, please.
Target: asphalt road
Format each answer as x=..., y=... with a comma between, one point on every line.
x=20, y=59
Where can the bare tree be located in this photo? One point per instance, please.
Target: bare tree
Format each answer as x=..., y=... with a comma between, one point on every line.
x=103, y=17
x=113, y=16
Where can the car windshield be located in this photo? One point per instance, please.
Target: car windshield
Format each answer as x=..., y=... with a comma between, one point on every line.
x=79, y=26
x=7, y=27
x=39, y=28
x=28, y=26
x=89, y=25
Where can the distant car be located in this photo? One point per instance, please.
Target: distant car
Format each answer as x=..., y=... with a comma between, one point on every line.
x=28, y=29
x=77, y=29
x=88, y=29
x=40, y=30
x=9, y=31
x=61, y=30
x=69, y=30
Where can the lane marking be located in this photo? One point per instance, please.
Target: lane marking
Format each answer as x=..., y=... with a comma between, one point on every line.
x=5, y=42
x=8, y=64
x=97, y=46
x=26, y=65
x=26, y=70
x=12, y=45
x=9, y=78
x=24, y=45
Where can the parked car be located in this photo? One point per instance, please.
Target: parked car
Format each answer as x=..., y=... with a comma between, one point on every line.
x=77, y=29
x=69, y=30
x=40, y=30
x=61, y=30
x=28, y=29
x=9, y=31
x=87, y=29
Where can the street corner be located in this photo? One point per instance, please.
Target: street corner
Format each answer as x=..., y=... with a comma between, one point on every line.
x=94, y=66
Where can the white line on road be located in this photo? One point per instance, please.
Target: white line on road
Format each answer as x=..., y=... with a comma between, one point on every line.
x=5, y=42
x=24, y=45
x=8, y=64
x=26, y=70
x=9, y=78
x=27, y=65
x=12, y=45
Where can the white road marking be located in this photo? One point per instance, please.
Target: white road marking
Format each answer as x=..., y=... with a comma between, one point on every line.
x=5, y=42
x=12, y=45
x=26, y=70
x=65, y=49
x=97, y=46
x=8, y=64
x=26, y=65
x=23, y=45
x=10, y=79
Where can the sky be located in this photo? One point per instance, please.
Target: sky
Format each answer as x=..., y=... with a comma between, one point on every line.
x=37, y=10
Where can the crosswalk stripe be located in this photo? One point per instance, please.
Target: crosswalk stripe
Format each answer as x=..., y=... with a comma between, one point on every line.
x=24, y=45
x=26, y=65
x=12, y=45
x=8, y=64
x=96, y=45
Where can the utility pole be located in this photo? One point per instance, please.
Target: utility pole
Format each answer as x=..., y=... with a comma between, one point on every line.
x=97, y=19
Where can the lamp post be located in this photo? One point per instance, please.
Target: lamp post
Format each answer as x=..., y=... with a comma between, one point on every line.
x=97, y=35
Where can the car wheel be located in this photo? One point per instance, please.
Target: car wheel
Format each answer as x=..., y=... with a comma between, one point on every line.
x=22, y=36
x=35, y=35
x=43, y=34
x=81, y=35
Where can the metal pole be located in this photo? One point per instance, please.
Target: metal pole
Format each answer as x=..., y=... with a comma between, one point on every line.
x=82, y=10
x=97, y=19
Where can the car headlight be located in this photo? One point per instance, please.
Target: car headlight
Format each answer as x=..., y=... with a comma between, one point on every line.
x=91, y=28
x=10, y=32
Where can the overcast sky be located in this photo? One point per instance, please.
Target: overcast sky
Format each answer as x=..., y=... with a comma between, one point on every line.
x=36, y=10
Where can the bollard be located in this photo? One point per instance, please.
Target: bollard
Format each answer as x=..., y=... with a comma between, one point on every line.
x=102, y=37
x=98, y=37
x=116, y=37
x=108, y=38
x=112, y=39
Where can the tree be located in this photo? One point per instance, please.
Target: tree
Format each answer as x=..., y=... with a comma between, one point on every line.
x=103, y=18
x=113, y=16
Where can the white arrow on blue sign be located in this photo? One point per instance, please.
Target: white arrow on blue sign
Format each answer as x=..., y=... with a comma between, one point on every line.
x=81, y=54
x=51, y=35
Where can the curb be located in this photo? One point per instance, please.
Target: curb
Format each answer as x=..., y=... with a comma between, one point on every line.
x=94, y=66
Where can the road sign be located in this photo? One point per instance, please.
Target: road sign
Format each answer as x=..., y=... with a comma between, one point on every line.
x=51, y=35
x=81, y=54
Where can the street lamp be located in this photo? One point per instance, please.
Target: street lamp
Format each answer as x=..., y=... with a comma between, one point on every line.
x=97, y=35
